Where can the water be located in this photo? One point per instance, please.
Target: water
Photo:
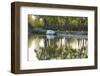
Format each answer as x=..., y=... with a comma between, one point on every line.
x=54, y=47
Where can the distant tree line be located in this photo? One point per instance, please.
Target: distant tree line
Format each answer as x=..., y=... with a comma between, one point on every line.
x=60, y=23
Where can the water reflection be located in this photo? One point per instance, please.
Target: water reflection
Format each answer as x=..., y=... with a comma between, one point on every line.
x=48, y=47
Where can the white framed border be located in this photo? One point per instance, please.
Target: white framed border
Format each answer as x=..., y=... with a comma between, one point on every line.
x=24, y=64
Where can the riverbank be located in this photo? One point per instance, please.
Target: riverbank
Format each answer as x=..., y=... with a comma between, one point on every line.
x=43, y=31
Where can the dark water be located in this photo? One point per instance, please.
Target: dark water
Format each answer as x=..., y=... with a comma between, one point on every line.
x=49, y=47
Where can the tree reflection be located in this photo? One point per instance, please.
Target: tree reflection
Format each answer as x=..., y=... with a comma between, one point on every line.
x=61, y=48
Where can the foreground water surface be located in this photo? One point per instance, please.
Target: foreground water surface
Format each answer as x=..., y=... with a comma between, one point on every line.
x=49, y=47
